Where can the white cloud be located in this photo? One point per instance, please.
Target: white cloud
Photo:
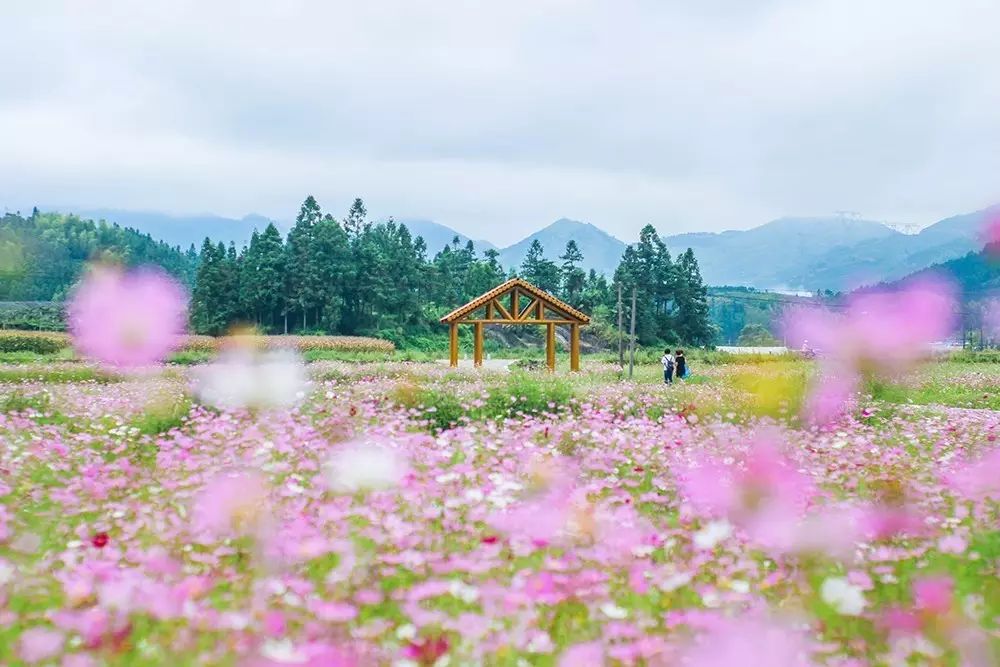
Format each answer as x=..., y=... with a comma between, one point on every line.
x=496, y=118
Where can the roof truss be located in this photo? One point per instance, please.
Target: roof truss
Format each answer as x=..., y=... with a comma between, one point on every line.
x=516, y=302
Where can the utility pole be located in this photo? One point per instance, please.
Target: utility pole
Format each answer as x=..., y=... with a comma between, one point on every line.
x=621, y=350
x=631, y=342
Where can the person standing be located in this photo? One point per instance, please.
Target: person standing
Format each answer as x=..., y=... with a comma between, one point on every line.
x=668, y=367
x=681, y=364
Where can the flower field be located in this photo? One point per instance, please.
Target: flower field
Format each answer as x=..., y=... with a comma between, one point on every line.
x=408, y=514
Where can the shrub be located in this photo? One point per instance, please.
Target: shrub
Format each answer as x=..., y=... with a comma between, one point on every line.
x=30, y=341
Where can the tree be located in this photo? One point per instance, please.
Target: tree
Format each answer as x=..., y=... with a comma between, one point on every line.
x=756, y=335
x=573, y=277
x=693, y=323
x=539, y=271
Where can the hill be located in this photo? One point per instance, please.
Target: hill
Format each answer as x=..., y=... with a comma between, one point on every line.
x=437, y=236
x=827, y=253
x=601, y=251
x=182, y=230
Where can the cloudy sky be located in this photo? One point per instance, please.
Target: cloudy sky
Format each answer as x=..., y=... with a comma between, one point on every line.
x=497, y=118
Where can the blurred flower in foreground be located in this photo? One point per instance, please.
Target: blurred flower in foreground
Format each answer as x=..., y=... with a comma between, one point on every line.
x=991, y=235
x=127, y=319
x=40, y=645
x=589, y=654
x=358, y=467
x=765, y=496
x=991, y=318
x=243, y=378
x=233, y=502
x=879, y=333
x=978, y=479
x=749, y=642
x=843, y=596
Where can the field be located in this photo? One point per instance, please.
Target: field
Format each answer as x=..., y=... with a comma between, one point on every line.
x=404, y=513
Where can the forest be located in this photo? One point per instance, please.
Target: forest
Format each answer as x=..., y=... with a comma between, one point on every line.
x=353, y=275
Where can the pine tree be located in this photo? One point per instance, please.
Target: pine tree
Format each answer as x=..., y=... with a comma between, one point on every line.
x=539, y=271
x=573, y=277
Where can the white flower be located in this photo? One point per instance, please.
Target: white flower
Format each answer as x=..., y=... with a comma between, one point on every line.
x=242, y=379
x=360, y=467
x=281, y=650
x=6, y=572
x=713, y=533
x=611, y=610
x=843, y=596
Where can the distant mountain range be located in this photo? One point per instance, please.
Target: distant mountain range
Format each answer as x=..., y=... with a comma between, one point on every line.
x=801, y=253
x=178, y=230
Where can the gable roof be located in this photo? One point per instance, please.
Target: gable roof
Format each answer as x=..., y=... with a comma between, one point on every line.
x=498, y=291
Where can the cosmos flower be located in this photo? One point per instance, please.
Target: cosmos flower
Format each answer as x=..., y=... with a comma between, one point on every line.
x=242, y=378
x=231, y=502
x=748, y=641
x=40, y=644
x=588, y=654
x=846, y=598
x=364, y=467
x=127, y=319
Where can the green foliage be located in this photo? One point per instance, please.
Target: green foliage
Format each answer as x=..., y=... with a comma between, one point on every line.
x=56, y=374
x=41, y=256
x=18, y=401
x=756, y=335
x=520, y=394
x=39, y=344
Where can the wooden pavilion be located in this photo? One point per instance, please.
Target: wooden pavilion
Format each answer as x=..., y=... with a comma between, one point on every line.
x=518, y=302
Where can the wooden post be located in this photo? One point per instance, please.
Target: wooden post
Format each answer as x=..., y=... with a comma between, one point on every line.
x=515, y=305
x=574, y=347
x=477, y=350
x=453, y=343
x=631, y=341
x=621, y=350
x=550, y=346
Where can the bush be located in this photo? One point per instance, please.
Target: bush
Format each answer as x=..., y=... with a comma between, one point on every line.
x=29, y=341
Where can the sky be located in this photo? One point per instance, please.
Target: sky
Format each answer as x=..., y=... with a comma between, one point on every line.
x=498, y=118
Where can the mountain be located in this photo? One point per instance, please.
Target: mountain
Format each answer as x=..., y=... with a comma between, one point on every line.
x=976, y=275
x=180, y=230
x=827, y=253
x=437, y=236
x=601, y=251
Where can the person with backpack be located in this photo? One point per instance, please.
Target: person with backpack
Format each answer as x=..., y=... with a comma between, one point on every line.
x=668, y=367
x=681, y=363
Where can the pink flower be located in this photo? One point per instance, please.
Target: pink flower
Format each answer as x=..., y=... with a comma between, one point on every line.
x=830, y=396
x=233, y=501
x=40, y=644
x=991, y=235
x=589, y=654
x=878, y=330
x=127, y=319
x=991, y=317
x=978, y=480
x=765, y=496
x=426, y=651
x=933, y=594
x=749, y=642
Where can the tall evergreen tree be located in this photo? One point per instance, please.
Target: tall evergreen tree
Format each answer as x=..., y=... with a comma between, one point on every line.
x=539, y=271
x=573, y=277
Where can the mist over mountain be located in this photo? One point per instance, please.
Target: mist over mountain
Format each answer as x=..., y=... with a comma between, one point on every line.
x=179, y=230
x=800, y=253
x=437, y=236
x=601, y=251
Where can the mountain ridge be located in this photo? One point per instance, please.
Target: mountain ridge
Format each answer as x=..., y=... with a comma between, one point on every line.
x=791, y=252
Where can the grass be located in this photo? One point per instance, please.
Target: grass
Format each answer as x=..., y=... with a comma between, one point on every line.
x=55, y=375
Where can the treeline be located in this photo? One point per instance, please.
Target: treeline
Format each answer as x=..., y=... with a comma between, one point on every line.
x=356, y=276
x=42, y=255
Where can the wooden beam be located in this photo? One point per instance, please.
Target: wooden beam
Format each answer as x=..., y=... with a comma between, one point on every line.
x=477, y=353
x=503, y=321
x=533, y=305
x=550, y=346
x=503, y=311
x=574, y=347
x=514, y=302
x=453, y=344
